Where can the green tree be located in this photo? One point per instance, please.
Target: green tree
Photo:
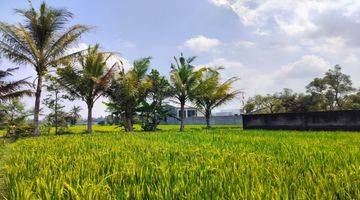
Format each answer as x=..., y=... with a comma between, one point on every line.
x=74, y=114
x=184, y=80
x=153, y=109
x=57, y=117
x=127, y=90
x=13, y=118
x=40, y=41
x=263, y=104
x=88, y=78
x=331, y=89
x=339, y=84
x=212, y=93
x=12, y=89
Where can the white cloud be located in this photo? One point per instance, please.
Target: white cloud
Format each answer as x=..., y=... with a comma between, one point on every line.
x=292, y=17
x=77, y=48
x=308, y=66
x=245, y=43
x=228, y=65
x=260, y=32
x=329, y=45
x=295, y=75
x=220, y=2
x=121, y=61
x=202, y=44
x=252, y=81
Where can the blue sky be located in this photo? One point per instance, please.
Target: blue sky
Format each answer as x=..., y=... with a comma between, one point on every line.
x=269, y=44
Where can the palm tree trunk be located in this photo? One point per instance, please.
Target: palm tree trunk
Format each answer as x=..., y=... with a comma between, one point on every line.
x=37, y=105
x=89, y=119
x=207, y=116
x=182, y=109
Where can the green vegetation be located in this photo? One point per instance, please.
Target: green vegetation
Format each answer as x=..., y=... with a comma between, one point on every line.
x=199, y=163
x=128, y=89
x=333, y=91
x=184, y=79
x=212, y=93
x=87, y=80
x=219, y=163
x=41, y=41
x=12, y=89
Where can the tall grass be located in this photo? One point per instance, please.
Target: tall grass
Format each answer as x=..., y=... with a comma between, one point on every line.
x=199, y=164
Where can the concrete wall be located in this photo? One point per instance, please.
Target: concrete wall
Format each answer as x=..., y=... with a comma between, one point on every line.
x=215, y=120
x=331, y=120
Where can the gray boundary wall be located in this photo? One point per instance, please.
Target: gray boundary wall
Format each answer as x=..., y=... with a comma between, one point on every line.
x=347, y=120
x=215, y=120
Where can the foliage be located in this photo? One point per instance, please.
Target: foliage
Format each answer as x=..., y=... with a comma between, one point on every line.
x=13, y=118
x=331, y=92
x=88, y=78
x=57, y=117
x=102, y=122
x=153, y=109
x=127, y=90
x=12, y=89
x=262, y=104
x=114, y=118
x=352, y=101
x=224, y=163
x=184, y=79
x=212, y=93
x=74, y=114
x=40, y=41
x=332, y=88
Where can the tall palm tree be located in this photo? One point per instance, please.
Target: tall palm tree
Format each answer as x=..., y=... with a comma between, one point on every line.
x=75, y=114
x=128, y=90
x=89, y=79
x=212, y=93
x=12, y=89
x=41, y=41
x=184, y=80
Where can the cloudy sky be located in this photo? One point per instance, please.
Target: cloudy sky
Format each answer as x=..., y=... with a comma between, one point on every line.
x=269, y=44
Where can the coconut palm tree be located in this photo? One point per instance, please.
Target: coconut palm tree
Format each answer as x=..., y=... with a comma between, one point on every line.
x=41, y=41
x=89, y=79
x=128, y=90
x=212, y=93
x=12, y=89
x=184, y=80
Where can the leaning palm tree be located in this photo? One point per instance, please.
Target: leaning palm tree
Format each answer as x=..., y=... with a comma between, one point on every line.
x=89, y=79
x=12, y=89
x=212, y=93
x=184, y=79
x=41, y=41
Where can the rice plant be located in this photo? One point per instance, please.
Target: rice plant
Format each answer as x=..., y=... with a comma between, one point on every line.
x=225, y=163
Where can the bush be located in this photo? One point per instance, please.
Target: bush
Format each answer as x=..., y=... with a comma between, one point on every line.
x=21, y=130
x=102, y=123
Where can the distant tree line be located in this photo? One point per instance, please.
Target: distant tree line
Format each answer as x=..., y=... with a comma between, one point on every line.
x=137, y=95
x=333, y=91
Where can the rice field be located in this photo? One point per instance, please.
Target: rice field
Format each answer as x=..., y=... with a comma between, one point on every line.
x=223, y=163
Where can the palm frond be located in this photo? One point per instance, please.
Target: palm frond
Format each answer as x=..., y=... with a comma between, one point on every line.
x=61, y=44
x=12, y=89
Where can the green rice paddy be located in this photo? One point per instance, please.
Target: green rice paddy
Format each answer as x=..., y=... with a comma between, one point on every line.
x=222, y=163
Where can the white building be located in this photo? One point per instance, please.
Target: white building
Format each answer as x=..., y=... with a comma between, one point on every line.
x=188, y=112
